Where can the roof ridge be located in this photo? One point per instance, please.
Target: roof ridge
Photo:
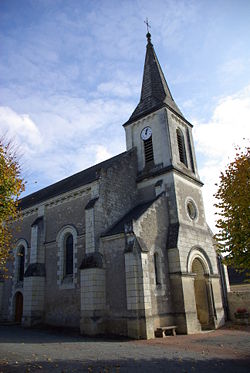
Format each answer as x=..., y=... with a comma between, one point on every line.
x=74, y=181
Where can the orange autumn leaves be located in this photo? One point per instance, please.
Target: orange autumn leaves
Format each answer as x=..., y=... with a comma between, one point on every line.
x=233, y=197
x=11, y=186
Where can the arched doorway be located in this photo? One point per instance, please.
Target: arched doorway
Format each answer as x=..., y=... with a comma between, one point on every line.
x=201, y=295
x=18, y=307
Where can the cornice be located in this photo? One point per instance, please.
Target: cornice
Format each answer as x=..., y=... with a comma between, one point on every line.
x=165, y=170
x=153, y=111
x=58, y=200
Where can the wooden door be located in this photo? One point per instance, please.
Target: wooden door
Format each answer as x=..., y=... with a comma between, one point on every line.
x=201, y=296
x=19, y=307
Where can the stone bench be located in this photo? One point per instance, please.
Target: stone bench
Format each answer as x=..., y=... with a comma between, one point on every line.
x=163, y=331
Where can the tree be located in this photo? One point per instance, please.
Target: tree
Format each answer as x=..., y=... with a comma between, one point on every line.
x=11, y=186
x=233, y=197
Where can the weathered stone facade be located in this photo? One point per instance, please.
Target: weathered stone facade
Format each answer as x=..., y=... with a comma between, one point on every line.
x=122, y=247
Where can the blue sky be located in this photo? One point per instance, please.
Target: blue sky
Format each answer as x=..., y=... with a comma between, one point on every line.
x=71, y=72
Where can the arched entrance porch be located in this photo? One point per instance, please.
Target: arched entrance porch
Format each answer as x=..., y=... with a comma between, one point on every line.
x=202, y=295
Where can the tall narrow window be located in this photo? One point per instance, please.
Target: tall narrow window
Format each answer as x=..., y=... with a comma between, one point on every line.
x=148, y=150
x=157, y=269
x=21, y=254
x=181, y=146
x=69, y=255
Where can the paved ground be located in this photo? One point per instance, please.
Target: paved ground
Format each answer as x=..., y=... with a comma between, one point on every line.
x=225, y=350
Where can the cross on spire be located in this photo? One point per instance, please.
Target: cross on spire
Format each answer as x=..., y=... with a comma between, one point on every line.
x=148, y=25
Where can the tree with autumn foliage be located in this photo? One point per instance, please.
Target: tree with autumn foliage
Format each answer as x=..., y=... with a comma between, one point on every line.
x=11, y=186
x=233, y=197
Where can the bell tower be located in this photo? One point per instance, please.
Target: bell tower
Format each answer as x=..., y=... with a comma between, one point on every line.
x=157, y=128
x=162, y=137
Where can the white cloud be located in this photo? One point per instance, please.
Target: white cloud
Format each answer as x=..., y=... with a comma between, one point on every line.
x=20, y=127
x=63, y=135
x=216, y=141
x=102, y=153
x=227, y=127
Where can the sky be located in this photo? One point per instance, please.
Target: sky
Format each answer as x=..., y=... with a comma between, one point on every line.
x=71, y=73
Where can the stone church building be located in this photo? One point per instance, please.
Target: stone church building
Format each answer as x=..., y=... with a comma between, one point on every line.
x=122, y=247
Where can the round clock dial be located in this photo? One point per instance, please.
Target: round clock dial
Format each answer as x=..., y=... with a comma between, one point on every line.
x=146, y=133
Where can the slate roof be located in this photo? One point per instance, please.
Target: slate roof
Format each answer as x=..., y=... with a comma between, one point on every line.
x=127, y=219
x=72, y=182
x=155, y=92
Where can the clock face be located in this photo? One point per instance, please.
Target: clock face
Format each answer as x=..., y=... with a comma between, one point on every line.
x=146, y=133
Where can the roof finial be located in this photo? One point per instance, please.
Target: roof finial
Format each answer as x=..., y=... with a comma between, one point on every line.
x=148, y=33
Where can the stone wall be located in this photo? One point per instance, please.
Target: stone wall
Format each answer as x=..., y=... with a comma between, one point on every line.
x=62, y=301
x=118, y=192
x=113, y=251
x=61, y=305
x=238, y=299
x=65, y=213
x=152, y=230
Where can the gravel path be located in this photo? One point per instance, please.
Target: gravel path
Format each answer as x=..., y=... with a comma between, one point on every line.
x=40, y=350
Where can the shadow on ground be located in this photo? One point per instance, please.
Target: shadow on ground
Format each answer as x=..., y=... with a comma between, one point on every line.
x=64, y=351
x=47, y=334
x=123, y=366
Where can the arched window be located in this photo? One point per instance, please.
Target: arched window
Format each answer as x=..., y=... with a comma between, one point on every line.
x=21, y=257
x=181, y=146
x=69, y=255
x=157, y=269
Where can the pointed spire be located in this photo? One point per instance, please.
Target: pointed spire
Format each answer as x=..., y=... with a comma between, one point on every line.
x=155, y=92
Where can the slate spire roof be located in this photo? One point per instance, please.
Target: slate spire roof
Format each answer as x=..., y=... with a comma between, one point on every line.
x=155, y=92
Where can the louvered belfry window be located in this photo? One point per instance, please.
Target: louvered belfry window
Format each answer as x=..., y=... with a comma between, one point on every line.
x=181, y=147
x=148, y=150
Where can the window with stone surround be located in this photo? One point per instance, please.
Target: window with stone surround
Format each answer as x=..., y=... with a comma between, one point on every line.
x=67, y=257
x=181, y=147
x=191, y=209
x=20, y=263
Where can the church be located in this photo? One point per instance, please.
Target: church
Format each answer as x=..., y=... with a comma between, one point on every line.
x=122, y=247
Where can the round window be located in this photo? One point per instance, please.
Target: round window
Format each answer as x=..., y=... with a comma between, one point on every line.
x=191, y=209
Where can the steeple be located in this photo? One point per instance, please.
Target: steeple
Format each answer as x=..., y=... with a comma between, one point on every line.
x=155, y=92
